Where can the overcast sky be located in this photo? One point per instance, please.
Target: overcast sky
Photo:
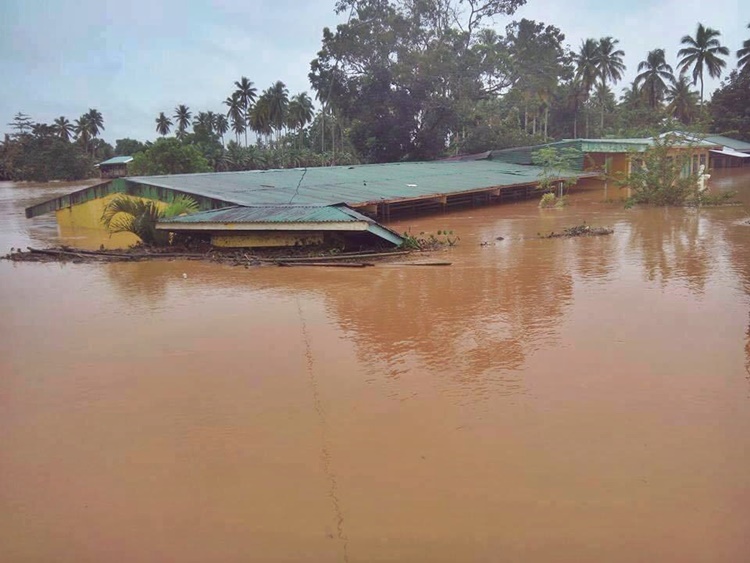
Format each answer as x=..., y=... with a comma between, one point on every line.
x=132, y=59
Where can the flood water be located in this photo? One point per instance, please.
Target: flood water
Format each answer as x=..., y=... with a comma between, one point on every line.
x=582, y=400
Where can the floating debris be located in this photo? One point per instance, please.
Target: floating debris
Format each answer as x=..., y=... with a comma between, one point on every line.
x=582, y=230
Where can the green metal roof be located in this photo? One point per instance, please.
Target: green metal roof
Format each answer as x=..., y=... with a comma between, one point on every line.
x=735, y=144
x=273, y=214
x=117, y=160
x=262, y=215
x=354, y=185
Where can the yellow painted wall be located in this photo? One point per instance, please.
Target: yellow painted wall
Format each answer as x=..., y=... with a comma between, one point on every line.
x=84, y=222
x=266, y=239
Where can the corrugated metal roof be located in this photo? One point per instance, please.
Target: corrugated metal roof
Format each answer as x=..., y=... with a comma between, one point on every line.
x=118, y=160
x=273, y=214
x=726, y=151
x=348, y=184
x=735, y=144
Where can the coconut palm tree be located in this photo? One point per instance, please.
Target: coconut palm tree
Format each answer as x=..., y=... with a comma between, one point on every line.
x=204, y=121
x=64, y=128
x=278, y=97
x=655, y=75
x=260, y=116
x=163, y=124
x=587, y=70
x=96, y=122
x=82, y=129
x=683, y=102
x=743, y=56
x=235, y=113
x=125, y=214
x=702, y=52
x=609, y=65
x=300, y=113
x=221, y=126
x=247, y=94
x=182, y=117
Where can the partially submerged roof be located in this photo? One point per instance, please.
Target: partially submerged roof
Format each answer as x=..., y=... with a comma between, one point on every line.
x=353, y=185
x=116, y=160
x=272, y=214
x=734, y=144
x=237, y=219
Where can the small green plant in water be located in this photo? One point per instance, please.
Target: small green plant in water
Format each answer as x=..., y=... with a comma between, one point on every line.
x=551, y=201
x=556, y=165
x=125, y=214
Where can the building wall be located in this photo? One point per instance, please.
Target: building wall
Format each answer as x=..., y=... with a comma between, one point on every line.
x=260, y=239
x=87, y=217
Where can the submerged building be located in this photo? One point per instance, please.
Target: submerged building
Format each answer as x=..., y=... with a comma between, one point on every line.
x=312, y=205
x=269, y=206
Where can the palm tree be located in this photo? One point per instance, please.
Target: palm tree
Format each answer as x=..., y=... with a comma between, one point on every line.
x=125, y=214
x=703, y=51
x=82, y=129
x=64, y=128
x=656, y=73
x=743, y=56
x=163, y=124
x=587, y=70
x=260, y=116
x=246, y=93
x=221, y=125
x=96, y=122
x=182, y=117
x=300, y=113
x=278, y=104
x=235, y=115
x=204, y=121
x=609, y=65
x=682, y=100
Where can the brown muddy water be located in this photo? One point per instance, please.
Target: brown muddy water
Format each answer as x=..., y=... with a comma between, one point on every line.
x=581, y=400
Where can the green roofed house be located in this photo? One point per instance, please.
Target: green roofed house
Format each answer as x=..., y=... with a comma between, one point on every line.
x=115, y=167
x=732, y=153
x=349, y=194
x=292, y=206
x=282, y=225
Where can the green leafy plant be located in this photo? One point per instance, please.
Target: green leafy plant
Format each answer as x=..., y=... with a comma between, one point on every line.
x=555, y=164
x=125, y=214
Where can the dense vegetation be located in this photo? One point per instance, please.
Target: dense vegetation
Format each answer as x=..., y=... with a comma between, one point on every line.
x=403, y=80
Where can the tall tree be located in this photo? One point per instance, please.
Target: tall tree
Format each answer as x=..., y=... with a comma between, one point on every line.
x=704, y=51
x=235, y=114
x=163, y=124
x=64, y=128
x=96, y=122
x=683, y=102
x=743, y=56
x=537, y=62
x=182, y=117
x=278, y=97
x=404, y=73
x=247, y=93
x=260, y=116
x=221, y=125
x=587, y=69
x=654, y=76
x=300, y=113
x=82, y=128
x=609, y=65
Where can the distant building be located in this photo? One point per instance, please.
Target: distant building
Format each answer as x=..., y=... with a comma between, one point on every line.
x=115, y=167
x=732, y=154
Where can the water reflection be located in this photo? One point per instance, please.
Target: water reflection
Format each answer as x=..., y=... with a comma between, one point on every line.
x=676, y=245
